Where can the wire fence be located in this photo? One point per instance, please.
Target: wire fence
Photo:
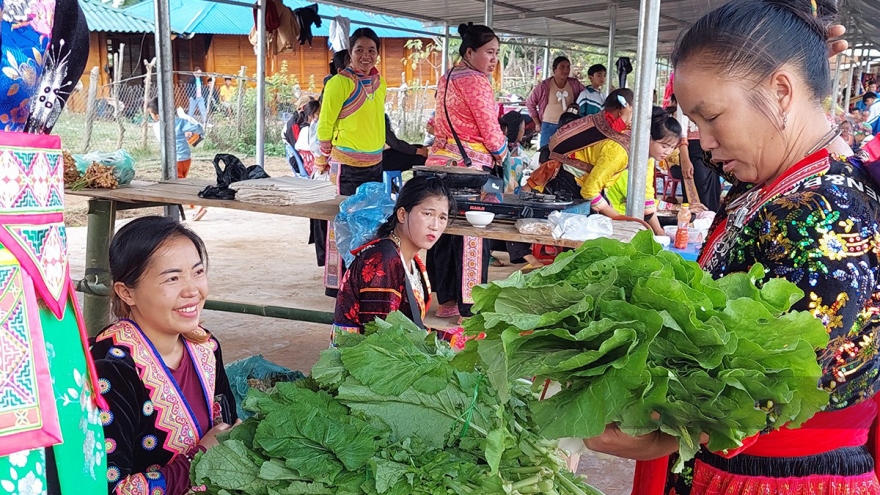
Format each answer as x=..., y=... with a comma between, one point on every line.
x=114, y=116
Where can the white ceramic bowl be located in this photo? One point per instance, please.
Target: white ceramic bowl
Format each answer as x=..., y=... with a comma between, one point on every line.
x=663, y=240
x=479, y=219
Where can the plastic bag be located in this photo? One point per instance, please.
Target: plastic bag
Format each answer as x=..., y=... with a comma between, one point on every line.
x=255, y=372
x=359, y=217
x=534, y=226
x=120, y=160
x=580, y=227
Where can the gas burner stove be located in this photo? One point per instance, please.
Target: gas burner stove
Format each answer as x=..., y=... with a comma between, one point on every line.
x=512, y=206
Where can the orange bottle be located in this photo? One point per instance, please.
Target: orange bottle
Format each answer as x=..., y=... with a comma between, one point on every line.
x=684, y=220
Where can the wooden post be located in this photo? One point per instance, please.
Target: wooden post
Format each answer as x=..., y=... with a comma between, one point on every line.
x=90, y=108
x=117, y=77
x=148, y=87
x=101, y=222
x=240, y=103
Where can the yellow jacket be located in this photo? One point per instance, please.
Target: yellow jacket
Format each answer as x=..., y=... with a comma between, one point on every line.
x=617, y=193
x=358, y=139
x=608, y=159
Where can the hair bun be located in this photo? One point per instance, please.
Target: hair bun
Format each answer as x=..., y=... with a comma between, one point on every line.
x=464, y=29
x=658, y=113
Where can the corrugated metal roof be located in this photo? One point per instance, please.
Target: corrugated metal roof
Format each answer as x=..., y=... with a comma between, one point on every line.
x=104, y=18
x=587, y=21
x=206, y=17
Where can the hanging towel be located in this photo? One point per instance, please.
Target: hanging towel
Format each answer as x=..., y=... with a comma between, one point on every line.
x=339, y=29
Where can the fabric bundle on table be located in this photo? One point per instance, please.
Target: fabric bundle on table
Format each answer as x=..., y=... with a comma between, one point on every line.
x=284, y=191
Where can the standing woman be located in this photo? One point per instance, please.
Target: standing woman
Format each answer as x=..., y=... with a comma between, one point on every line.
x=160, y=371
x=809, y=216
x=466, y=109
x=351, y=133
x=550, y=98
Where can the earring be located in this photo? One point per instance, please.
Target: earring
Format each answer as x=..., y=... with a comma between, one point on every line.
x=784, y=120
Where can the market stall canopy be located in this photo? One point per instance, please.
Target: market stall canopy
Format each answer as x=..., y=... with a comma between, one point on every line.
x=573, y=21
x=864, y=15
x=585, y=22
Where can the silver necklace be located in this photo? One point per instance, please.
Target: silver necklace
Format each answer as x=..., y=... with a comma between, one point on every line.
x=826, y=140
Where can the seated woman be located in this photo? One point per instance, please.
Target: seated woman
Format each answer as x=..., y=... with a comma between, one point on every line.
x=387, y=274
x=600, y=151
x=665, y=131
x=160, y=371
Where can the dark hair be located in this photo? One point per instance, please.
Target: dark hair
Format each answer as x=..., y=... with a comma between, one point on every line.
x=133, y=247
x=663, y=125
x=750, y=39
x=413, y=193
x=302, y=117
x=227, y=78
x=869, y=95
x=558, y=60
x=567, y=117
x=511, y=122
x=363, y=33
x=613, y=103
x=340, y=61
x=596, y=68
x=474, y=36
x=153, y=105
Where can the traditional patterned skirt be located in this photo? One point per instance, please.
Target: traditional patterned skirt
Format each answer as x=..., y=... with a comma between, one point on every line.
x=347, y=180
x=846, y=471
x=47, y=402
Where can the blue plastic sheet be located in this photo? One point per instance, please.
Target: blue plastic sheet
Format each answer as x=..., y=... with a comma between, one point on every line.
x=359, y=217
x=120, y=160
x=256, y=372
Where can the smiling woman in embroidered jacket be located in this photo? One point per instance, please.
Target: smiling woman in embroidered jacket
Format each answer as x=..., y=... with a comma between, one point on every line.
x=160, y=372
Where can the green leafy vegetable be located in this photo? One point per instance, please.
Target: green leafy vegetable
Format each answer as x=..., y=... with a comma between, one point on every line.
x=392, y=412
x=630, y=330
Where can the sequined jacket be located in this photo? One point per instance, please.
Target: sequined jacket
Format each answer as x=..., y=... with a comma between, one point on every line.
x=819, y=229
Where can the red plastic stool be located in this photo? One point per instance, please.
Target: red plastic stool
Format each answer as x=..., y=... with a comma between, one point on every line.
x=544, y=252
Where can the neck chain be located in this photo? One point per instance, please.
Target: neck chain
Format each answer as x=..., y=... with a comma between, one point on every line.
x=826, y=140
x=395, y=238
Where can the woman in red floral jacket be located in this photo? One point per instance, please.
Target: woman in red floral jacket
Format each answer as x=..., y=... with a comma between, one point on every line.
x=387, y=274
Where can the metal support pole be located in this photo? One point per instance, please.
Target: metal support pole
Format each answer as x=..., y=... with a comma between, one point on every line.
x=546, y=68
x=861, y=70
x=261, y=82
x=646, y=71
x=96, y=309
x=835, y=87
x=612, y=34
x=165, y=79
x=849, y=81
x=444, y=64
x=490, y=9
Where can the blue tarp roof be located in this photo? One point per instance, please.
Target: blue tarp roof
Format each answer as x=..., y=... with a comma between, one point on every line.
x=103, y=17
x=206, y=17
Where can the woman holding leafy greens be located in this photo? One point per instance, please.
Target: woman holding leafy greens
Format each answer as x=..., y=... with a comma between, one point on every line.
x=804, y=209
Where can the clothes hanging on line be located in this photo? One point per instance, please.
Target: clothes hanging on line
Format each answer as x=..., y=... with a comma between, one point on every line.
x=307, y=17
x=624, y=67
x=339, y=33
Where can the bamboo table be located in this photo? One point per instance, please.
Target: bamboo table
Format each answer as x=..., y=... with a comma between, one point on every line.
x=104, y=203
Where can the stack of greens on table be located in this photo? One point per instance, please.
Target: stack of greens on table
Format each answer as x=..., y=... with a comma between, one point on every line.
x=630, y=330
x=394, y=412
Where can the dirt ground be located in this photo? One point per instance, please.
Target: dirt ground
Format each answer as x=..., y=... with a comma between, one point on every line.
x=265, y=259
